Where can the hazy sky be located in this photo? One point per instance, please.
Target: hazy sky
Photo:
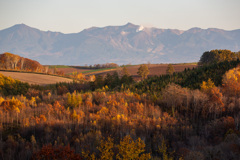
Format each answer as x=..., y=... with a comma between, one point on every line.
x=71, y=16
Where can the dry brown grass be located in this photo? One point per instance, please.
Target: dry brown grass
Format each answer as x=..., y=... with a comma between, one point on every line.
x=33, y=78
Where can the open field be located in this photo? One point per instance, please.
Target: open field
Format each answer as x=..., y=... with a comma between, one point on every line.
x=33, y=78
x=68, y=69
x=159, y=69
x=154, y=69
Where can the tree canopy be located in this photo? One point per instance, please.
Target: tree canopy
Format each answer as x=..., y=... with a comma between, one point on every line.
x=143, y=71
x=170, y=69
x=216, y=56
x=125, y=71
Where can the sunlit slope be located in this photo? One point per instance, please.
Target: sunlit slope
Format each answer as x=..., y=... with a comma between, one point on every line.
x=33, y=78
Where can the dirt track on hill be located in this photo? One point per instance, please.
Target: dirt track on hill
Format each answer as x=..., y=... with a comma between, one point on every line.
x=32, y=78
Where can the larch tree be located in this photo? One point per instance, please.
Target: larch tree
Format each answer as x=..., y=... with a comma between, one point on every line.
x=106, y=149
x=143, y=71
x=125, y=71
x=231, y=82
x=214, y=94
x=207, y=86
x=130, y=149
x=170, y=69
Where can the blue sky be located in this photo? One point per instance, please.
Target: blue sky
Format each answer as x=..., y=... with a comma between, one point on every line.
x=71, y=16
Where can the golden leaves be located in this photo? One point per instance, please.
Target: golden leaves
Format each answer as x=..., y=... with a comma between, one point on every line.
x=207, y=86
x=130, y=149
x=231, y=82
x=106, y=149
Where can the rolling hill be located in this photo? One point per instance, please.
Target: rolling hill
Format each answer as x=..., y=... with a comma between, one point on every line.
x=118, y=44
x=15, y=62
x=11, y=64
x=33, y=78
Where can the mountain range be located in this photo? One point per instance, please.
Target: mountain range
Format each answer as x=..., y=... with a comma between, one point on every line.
x=127, y=44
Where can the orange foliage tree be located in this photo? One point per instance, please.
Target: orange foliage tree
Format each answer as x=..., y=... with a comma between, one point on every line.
x=214, y=93
x=11, y=105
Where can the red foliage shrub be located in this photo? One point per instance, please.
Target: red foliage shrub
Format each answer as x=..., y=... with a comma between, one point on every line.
x=49, y=152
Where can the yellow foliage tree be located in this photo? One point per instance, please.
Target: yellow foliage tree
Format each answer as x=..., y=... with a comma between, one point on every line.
x=92, y=78
x=231, y=82
x=106, y=149
x=143, y=71
x=75, y=116
x=11, y=105
x=207, y=86
x=163, y=150
x=213, y=92
x=88, y=156
x=78, y=76
x=130, y=149
x=33, y=102
x=103, y=112
x=1, y=100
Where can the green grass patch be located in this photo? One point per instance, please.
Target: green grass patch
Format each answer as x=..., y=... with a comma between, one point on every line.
x=128, y=65
x=81, y=67
x=58, y=66
x=97, y=70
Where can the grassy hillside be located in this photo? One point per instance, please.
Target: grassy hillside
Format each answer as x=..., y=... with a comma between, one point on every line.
x=33, y=78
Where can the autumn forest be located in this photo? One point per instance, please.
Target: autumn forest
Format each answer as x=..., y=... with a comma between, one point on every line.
x=193, y=114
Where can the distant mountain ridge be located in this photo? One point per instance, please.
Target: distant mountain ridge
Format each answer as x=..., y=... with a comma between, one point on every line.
x=118, y=44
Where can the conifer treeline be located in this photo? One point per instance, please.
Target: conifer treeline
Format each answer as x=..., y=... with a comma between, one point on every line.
x=190, y=78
